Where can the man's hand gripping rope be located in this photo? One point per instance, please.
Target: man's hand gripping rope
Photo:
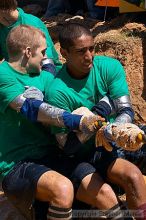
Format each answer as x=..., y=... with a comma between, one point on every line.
x=127, y=136
x=89, y=123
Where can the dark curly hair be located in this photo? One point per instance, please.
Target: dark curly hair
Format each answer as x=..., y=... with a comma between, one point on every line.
x=70, y=32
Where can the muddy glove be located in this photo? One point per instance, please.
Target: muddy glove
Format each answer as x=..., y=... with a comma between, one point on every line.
x=33, y=93
x=125, y=136
x=89, y=124
x=101, y=140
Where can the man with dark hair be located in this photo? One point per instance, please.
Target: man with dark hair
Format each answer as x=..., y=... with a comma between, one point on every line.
x=28, y=165
x=67, y=41
x=98, y=83
x=10, y=17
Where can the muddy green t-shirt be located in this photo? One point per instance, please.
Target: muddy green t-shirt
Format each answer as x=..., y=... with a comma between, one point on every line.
x=107, y=76
x=28, y=19
x=19, y=138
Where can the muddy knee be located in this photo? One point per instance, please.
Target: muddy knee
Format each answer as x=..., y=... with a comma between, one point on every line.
x=101, y=198
x=132, y=178
x=63, y=194
x=56, y=189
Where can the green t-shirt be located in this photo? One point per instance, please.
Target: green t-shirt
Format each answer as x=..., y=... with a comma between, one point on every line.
x=19, y=138
x=107, y=76
x=28, y=19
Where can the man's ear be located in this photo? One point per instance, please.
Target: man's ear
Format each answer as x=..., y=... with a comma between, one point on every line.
x=28, y=52
x=63, y=52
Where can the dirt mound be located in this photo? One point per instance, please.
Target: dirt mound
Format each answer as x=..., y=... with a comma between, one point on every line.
x=123, y=39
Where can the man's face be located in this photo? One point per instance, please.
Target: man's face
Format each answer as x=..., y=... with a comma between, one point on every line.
x=3, y=18
x=35, y=60
x=8, y=17
x=79, y=57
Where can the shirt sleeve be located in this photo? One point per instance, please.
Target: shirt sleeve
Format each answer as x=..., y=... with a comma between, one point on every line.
x=9, y=90
x=116, y=79
x=47, y=79
x=58, y=99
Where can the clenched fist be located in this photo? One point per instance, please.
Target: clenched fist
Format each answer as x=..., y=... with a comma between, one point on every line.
x=124, y=135
x=89, y=123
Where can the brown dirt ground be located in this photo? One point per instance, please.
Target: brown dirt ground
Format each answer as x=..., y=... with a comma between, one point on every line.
x=120, y=38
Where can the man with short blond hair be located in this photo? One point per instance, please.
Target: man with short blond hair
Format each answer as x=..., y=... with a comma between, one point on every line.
x=15, y=47
x=29, y=165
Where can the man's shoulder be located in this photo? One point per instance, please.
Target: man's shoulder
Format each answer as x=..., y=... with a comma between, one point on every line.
x=46, y=74
x=59, y=85
x=108, y=68
x=29, y=18
x=107, y=64
x=4, y=66
x=103, y=59
x=57, y=93
x=57, y=89
x=64, y=77
x=6, y=73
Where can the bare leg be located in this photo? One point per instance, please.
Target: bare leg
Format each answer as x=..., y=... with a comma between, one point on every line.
x=129, y=177
x=56, y=189
x=95, y=192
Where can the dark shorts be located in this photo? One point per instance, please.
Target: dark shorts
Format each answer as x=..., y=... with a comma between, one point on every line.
x=102, y=159
x=76, y=173
x=75, y=169
x=20, y=183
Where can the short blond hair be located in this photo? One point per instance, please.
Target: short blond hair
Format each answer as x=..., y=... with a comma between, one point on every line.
x=8, y=5
x=21, y=37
